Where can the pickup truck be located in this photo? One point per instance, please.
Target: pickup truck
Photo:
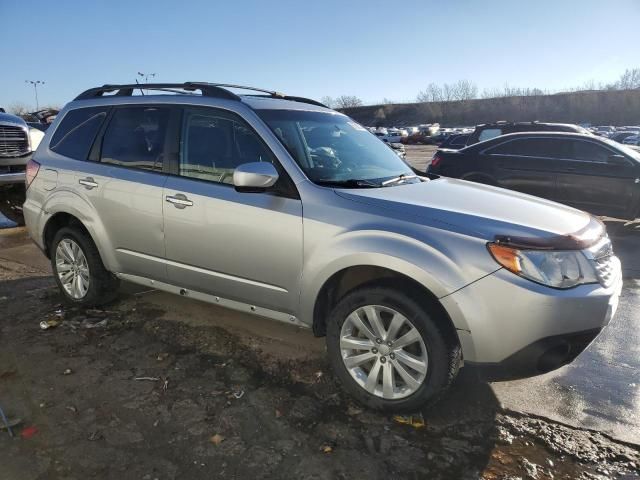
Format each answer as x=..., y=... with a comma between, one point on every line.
x=17, y=143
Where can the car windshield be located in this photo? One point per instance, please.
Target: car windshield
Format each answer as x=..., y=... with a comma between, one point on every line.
x=334, y=150
x=624, y=148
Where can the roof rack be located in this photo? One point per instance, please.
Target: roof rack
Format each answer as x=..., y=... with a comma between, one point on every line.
x=208, y=90
x=217, y=90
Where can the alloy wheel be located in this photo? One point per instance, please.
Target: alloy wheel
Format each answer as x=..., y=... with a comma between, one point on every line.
x=384, y=352
x=72, y=268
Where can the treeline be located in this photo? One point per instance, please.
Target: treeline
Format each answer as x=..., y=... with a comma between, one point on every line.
x=598, y=107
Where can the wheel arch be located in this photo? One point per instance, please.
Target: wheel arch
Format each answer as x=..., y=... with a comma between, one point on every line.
x=68, y=209
x=357, y=276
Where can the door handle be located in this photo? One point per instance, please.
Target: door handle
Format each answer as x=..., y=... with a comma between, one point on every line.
x=179, y=200
x=570, y=169
x=88, y=183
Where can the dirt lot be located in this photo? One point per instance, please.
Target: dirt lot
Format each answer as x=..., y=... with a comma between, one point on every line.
x=157, y=386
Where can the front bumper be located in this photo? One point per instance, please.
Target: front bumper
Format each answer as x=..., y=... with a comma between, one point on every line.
x=541, y=356
x=512, y=327
x=12, y=169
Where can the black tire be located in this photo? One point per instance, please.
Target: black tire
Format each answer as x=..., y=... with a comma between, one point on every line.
x=103, y=285
x=444, y=353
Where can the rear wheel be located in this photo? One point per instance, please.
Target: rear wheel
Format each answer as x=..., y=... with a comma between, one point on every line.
x=388, y=351
x=78, y=269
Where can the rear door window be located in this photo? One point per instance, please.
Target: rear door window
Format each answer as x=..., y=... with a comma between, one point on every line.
x=534, y=147
x=135, y=137
x=77, y=131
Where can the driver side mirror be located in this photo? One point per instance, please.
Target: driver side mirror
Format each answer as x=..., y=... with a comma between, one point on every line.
x=617, y=160
x=254, y=177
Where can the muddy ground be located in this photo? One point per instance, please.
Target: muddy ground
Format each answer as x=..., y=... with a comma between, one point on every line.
x=132, y=392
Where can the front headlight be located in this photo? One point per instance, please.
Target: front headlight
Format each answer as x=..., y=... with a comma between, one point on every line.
x=554, y=268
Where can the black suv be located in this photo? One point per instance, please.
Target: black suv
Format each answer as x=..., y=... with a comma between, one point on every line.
x=587, y=172
x=488, y=131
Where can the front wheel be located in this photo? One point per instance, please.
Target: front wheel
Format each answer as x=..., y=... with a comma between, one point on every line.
x=388, y=351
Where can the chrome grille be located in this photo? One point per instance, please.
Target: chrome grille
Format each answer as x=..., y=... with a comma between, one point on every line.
x=14, y=141
x=606, y=263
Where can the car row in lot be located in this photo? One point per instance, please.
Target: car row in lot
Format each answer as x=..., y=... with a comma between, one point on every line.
x=628, y=135
x=434, y=134
x=588, y=172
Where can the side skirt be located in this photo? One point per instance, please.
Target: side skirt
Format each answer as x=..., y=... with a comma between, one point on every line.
x=204, y=297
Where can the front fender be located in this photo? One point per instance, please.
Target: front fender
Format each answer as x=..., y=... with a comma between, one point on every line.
x=433, y=265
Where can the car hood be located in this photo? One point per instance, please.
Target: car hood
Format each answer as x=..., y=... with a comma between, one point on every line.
x=484, y=211
x=8, y=119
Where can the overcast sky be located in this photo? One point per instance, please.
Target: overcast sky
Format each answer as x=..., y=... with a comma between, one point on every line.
x=330, y=47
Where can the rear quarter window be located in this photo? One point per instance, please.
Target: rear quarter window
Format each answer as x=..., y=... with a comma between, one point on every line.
x=489, y=133
x=77, y=131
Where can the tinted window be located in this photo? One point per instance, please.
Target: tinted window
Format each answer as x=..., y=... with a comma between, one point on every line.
x=534, y=147
x=489, y=133
x=135, y=137
x=590, y=152
x=215, y=143
x=460, y=140
x=77, y=131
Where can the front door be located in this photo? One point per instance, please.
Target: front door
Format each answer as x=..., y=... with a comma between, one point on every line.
x=592, y=180
x=245, y=247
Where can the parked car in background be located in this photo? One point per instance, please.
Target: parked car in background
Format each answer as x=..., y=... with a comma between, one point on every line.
x=587, y=172
x=604, y=130
x=398, y=148
x=389, y=136
x=620, y=136
x=17, y=141
x=491, y=130
x=456, y=142
x=632, y=140
x=226, y=198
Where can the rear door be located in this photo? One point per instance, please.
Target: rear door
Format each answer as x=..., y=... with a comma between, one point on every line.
x=245, y=247
x=124, y=184
x=527, y=165
x=590, y=180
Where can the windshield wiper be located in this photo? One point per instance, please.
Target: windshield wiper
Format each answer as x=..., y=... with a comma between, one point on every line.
x=398, y=179
x=350, y=183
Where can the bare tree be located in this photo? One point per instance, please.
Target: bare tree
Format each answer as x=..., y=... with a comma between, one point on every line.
x=348, y=101
x=629, y=80
x=465, y=90
x=18, y=108
x=433, y=93
x=328, y=101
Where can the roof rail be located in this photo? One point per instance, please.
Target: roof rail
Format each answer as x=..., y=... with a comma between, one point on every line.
x=217, y=90
x=207, y=89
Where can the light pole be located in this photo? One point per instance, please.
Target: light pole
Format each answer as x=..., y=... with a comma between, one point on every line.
x=145, y=76
x=35, y=84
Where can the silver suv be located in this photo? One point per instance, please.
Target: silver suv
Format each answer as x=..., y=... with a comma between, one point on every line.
x=278, y=206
